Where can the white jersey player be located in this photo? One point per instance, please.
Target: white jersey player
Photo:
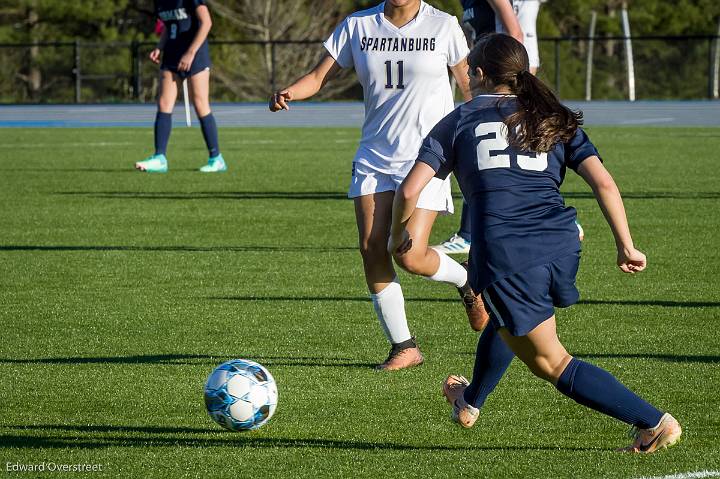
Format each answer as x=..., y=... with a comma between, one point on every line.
x=527, y=12
x=401, y=51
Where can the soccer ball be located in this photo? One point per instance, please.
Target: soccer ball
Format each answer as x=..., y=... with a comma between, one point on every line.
x=241, y=395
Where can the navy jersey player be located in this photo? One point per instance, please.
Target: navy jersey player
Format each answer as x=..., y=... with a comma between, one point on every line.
x=510, y=151
x=183, y=55
x=480, y=17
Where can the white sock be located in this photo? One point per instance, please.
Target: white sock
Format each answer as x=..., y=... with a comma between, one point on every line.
x=449, y=271
x=390, y=308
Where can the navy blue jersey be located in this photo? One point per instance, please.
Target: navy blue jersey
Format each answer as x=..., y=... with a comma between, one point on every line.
x=480, y=17
x=519, y=219
x=181, y=24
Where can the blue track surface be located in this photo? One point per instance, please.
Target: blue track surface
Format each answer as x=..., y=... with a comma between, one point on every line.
x=645, y=113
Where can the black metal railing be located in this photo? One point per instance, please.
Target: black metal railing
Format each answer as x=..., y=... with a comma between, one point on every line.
x=666, y=67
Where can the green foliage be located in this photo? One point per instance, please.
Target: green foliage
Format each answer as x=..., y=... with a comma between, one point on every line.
x=665, y=69
x=122, y=291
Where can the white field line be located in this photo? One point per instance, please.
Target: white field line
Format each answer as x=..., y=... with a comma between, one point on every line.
x=686, y=475
x=646, y=120
x=68, y=145
x=128, y=143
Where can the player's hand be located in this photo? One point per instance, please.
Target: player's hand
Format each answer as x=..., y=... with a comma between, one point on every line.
x=155, y=55
x=186, y=62
x=399, y=243
x=279, y=100
x=631, y=260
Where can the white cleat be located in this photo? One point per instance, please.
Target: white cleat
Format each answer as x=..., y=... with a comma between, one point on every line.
x=456, y=244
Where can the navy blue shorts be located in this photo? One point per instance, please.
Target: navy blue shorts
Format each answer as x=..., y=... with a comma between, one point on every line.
x=200, y=63
x=522, y=301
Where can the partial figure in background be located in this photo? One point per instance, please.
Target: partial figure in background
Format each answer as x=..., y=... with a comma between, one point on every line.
x=526, y=12
x=185, y=56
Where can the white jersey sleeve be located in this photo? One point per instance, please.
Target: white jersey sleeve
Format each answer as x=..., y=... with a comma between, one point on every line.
x=457, y=46
x=339, y=45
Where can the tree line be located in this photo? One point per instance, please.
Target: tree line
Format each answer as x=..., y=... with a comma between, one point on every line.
x=105, y=31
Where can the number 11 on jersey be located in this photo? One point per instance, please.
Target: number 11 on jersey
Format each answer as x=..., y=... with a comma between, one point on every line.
x=389, y=75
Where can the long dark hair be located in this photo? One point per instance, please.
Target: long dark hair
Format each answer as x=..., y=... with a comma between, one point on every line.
x=541, y=121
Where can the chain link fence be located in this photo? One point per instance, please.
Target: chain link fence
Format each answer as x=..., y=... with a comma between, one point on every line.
x=665, y=67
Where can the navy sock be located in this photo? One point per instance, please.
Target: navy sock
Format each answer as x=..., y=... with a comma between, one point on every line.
x=163, y=126
x=599, y=390
x=210, y=133
x=465, y=222
x=492, y=359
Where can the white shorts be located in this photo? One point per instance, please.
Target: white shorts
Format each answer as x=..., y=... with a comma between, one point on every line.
x=435, y=196
x=527, y=12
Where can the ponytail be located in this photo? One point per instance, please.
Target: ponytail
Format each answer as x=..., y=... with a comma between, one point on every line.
x=542, y=121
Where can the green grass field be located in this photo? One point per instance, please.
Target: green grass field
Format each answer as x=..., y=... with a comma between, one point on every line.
x=121, y=291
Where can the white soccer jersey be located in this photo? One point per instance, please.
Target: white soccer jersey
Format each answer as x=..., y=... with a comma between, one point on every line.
x=403, y=72
x=526, y=12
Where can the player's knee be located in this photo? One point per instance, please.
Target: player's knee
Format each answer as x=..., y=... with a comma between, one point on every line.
x=166, y=103
x=201, y=104
x=373, y=248
x=548, y=368
x=409, y=262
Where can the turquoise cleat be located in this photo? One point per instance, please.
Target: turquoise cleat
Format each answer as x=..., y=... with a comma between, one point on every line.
x=153, y=164
x=216, y=164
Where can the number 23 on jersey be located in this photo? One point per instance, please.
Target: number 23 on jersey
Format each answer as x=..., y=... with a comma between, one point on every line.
x=493, y=150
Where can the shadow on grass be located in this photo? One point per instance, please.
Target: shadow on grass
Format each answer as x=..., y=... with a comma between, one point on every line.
x=654, y=302
x=211, y=195
x=339, y=299
x=201, y=249
x=199, y=359
x=651, y=195
x=340, y=195
x=101, y=436
x=79, y=170
x=671, y=358
x=667, y=304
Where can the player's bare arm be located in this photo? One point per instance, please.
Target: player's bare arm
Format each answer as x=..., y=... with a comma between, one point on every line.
x=157, y=51
x=608, y=197
x=404, y=204
x=504, y=11
x=307, y=86
x=460, y=73
x=205, y=24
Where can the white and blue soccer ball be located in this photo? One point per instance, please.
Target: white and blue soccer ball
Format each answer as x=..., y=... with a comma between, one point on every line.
x=241, y=395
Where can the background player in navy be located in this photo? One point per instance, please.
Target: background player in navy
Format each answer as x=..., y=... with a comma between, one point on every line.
x=185, y=54
x=509, y=151
x=481, y=17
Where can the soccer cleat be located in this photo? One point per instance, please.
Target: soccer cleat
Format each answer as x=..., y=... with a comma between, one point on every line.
x=216, y=164
x=456, y=244
x=153, y=164
x=474, y=306
x=665, y=434
x=462, y=413
x=581, y=231
x=402, y=356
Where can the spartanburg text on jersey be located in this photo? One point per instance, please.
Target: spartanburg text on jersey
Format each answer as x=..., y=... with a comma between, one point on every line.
x=403, y=72
x=519, y=219
x=181, y=24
